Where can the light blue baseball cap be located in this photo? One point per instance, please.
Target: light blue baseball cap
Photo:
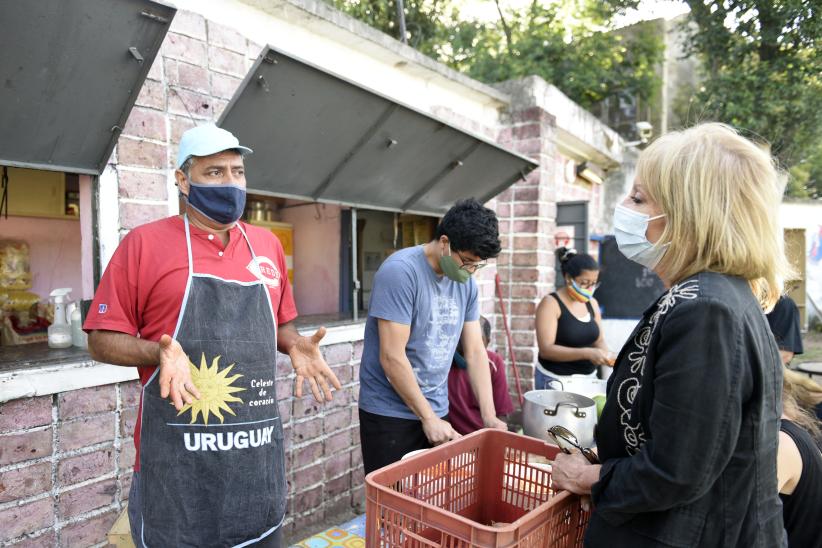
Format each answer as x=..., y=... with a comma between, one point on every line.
x=206, y=140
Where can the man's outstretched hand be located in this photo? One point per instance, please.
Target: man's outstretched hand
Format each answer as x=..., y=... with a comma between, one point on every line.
x=175, y=374
x=309, y=364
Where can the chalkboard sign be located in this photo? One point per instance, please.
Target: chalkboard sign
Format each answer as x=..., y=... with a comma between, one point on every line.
x=626, y=288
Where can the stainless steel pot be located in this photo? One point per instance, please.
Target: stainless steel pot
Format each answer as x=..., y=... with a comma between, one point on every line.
x=546, y=408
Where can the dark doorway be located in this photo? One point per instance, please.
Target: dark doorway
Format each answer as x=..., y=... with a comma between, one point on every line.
x=571, y=231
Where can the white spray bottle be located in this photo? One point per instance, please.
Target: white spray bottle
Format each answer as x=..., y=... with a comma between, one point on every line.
x=60, y=330
x=78, y=336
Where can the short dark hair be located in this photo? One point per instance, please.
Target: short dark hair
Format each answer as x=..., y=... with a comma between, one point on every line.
x=572, y=263
x=471, y=227
x=485, y=325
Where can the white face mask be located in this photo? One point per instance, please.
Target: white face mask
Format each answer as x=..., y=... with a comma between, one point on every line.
x=630, y=227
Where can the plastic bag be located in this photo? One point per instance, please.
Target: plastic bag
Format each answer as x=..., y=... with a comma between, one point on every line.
x=14, y=265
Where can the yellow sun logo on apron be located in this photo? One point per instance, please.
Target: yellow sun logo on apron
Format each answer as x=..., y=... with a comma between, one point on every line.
x=215, y=390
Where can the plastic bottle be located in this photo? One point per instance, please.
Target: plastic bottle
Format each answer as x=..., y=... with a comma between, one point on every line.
x=60, y=330
x=78, y=336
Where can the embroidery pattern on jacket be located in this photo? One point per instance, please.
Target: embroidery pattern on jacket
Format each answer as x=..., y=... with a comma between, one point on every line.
x=629, y=388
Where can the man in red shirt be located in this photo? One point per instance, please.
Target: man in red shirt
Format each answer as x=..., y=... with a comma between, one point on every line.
x=201, y=303
x=463, y=409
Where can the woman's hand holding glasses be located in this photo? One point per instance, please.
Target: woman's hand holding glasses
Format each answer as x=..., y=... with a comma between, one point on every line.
x=576, y=469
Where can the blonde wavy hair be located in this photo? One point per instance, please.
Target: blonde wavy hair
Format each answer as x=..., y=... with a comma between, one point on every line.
x=800, y=396
x=721, y=194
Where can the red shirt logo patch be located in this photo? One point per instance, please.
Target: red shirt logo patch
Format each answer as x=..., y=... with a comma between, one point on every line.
x=265, y=270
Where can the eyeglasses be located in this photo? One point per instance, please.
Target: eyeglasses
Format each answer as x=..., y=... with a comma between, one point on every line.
x=470, y=266
x=566, y=440
x=586, y=284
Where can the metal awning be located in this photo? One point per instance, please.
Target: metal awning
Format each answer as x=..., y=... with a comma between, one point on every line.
x=71, y=72
x=317, y=136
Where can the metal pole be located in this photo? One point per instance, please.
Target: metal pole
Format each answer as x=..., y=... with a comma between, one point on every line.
x=401, y=20
x=4, y=189
x=355, y=283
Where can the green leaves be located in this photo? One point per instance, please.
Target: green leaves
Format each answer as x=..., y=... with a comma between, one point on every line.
x=762, y=72
x=427, y=21
x=761, y=61
x=570, y=50
x=566, y=43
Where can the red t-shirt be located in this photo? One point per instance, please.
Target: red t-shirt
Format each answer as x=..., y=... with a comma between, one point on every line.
x=463, y=409
x=142, y=289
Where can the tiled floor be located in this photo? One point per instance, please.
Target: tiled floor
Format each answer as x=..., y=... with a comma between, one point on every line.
x=347, y=535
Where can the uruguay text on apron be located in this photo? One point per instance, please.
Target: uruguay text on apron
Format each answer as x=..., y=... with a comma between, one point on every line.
x=214, y=473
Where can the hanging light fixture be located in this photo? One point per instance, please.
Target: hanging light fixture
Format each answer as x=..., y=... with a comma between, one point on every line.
x=589, y=173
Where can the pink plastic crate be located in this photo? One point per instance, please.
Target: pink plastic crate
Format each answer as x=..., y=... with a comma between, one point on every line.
x=485, y=490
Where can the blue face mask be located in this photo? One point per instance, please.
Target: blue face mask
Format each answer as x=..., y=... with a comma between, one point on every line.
x=223, y=204
x=629, y=228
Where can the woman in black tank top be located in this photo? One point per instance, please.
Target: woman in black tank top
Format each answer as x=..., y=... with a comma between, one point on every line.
x=569, y=327
x=799, y=472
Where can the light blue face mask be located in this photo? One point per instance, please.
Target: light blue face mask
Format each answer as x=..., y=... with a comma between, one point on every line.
x=629, y=228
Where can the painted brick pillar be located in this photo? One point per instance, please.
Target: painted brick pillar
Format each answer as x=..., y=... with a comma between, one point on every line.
x=527, y=213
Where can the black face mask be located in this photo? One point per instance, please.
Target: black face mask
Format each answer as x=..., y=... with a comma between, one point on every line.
x=223, y=204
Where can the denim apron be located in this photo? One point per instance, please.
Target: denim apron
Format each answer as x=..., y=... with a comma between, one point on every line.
x=214, y=474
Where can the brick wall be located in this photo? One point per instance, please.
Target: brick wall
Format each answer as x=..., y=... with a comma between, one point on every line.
x=65, y=465
x=323, y=457
x=527, y=212
x=66, y=460
x=200, y=66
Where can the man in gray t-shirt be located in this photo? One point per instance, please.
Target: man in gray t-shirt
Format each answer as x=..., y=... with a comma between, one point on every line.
x=422, y=302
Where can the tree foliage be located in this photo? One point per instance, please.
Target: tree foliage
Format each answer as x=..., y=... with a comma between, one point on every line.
x=427, y=21
x=566, y=43
x=568, y=48
x=761, y=60
x=762, y=72
x=806, y=175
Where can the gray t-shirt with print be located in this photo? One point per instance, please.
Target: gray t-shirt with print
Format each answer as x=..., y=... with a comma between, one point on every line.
x=406, y=290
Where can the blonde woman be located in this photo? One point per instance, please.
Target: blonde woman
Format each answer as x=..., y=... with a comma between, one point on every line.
x=799, y=466
x=688, y=435
x=784, y=322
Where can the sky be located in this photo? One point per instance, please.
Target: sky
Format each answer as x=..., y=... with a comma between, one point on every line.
x=486, y=10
